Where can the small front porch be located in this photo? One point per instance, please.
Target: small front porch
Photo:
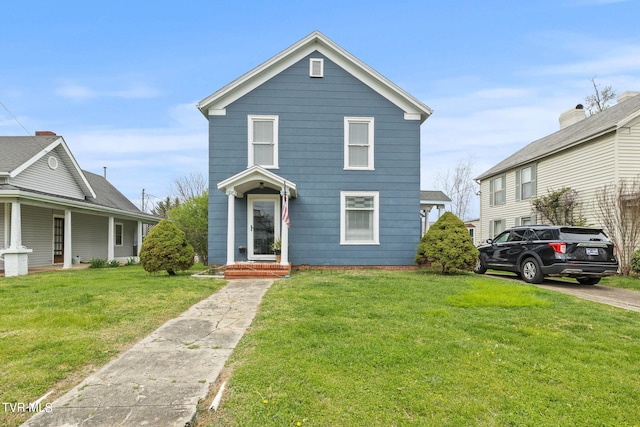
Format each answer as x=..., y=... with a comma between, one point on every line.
x=256, y=270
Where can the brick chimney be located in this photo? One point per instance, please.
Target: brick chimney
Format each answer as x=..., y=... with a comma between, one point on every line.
x=572, y=116
x=45, y=133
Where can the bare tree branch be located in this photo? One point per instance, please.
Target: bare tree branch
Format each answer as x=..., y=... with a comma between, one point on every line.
x=601, y=98
x=618, y=208
x=460, y=187
x=190, y=186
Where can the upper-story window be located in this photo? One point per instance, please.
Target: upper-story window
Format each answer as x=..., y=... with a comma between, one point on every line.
x=316, y=67
x=358, y=143
x=498, y=190
x=526, y=183
x=263, y=141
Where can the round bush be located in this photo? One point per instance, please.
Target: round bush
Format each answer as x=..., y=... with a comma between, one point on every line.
x=635, y=262
x=166, y=248
x=448, y=245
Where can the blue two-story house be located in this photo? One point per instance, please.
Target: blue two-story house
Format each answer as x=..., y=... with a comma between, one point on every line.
x=319, y=152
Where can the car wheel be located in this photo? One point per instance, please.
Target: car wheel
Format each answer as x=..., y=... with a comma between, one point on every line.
x=588, y=280
x=480, y=268
x=531, y=272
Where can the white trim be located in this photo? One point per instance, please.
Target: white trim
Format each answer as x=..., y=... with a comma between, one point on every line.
x=315, y=41
x=376, y=217
x=250, y=120
x=217, y=111
x=248, y=179
x=370, y=144
x=115, y=234
x=312, y=62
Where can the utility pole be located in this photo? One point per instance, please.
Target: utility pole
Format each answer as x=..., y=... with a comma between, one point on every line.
x=142, y=204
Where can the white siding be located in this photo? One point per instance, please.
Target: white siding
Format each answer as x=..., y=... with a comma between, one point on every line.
x=585, y=169
x=89, y=235
x=37, y=233
x=39, y=176
x=629, y=150
x=129, y=235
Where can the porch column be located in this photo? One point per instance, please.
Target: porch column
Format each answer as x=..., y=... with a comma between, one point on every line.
x=68, y=252
x=16, y=261
x=284, y=233
x=111, y=239
x=231, y=226
x=7, y=224
x=139, y=238
x=16, y=225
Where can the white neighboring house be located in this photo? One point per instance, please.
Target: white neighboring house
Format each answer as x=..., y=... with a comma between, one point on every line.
x=52, y=212
x=586, y=154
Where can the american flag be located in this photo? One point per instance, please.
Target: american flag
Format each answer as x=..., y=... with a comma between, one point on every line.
x=285, y=210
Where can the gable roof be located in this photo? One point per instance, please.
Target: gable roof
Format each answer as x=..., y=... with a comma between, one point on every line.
x=247, y=179
x=609, y=120
x=216, y=103
x=433, y=196
x=108, y=195
x=20, y=152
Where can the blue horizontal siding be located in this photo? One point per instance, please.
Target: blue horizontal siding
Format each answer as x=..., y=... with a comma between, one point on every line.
x=311, y=115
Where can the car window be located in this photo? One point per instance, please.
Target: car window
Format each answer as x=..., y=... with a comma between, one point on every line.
x=502, y=237
x=583, y=234
x=545, y=234
x=517, y=235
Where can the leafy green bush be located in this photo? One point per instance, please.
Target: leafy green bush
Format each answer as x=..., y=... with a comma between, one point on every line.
x=448, y=245
x=114, y=263
x=635, y=262
x=130, y=261
x=97, y=263
x=166, y=248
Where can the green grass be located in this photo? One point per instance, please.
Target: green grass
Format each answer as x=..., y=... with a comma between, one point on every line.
x=54, y=327
x=628, y=282
x=407, y=348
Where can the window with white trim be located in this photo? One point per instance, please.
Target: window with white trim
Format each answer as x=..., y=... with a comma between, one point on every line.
x=358, y=143
x=119, y=233
x=496, y=227
x=498, y=191
x=526, y=182
x=316, y=67
x=359, y=218
x=263, y=141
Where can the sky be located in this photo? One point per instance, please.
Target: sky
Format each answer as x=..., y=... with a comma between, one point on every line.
x=120, y=80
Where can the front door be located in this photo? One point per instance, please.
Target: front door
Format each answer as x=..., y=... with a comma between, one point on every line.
x=263, y=225
x=58, y=240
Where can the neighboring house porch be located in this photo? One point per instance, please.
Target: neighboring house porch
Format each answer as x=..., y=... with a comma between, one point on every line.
x=54, y=213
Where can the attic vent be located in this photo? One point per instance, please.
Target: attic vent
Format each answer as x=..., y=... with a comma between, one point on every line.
x=316, y=67
x=53, y=163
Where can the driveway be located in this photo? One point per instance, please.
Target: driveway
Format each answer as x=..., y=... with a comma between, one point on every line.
x=617, y=297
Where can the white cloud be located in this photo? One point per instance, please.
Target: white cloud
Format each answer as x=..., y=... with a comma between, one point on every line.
x=82, y=92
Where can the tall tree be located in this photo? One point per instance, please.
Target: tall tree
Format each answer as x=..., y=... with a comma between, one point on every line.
x=601, y=98
x=618, y=209
x=460, y=187
x=162, y=208
x=191, y=217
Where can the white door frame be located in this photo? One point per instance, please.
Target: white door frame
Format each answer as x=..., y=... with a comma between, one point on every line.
x=251, y=198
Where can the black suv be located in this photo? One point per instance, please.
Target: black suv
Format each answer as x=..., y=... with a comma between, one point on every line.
x=536, y=251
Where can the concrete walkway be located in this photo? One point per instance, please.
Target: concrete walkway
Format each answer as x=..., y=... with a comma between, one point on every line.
x=159, y=381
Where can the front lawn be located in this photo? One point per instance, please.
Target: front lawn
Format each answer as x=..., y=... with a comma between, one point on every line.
x=408, y=348
x=56, y=327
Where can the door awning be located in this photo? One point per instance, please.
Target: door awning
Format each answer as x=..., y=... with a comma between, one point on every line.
x=257, y=177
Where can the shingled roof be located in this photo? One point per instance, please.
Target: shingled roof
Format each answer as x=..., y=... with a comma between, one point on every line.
x=591, y=127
